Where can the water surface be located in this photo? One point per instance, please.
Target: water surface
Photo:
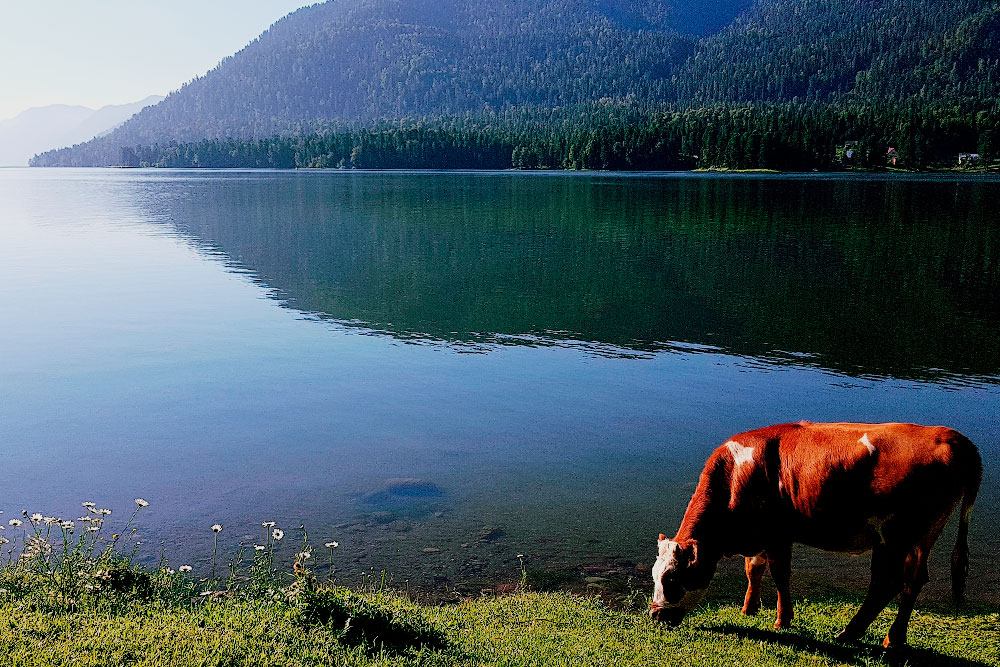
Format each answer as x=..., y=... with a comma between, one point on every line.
x=443, y=370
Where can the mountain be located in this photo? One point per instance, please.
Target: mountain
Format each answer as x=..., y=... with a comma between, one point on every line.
x=43, y=128
x=361, y=62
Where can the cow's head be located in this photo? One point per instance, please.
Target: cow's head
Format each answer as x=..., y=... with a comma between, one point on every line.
x=680, y=581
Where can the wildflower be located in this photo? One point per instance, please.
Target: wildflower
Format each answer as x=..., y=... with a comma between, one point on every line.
x=37, y=546
x=277, y=533
x=93, y=528
x=49, y=520
x=4, y=540
x=84, y=519
x=332, y=545
x=14, y=523
x=68, y=525
x=167, y=570
x=217, y=528
x=141, y=502
x=36, y=518
x=184, y=568
x=89, y=505
x=104, y=512
x=304, y=555
x=268, y=524
x=259, y=547
x=520, y=555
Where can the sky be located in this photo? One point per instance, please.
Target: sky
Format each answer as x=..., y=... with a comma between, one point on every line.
x=98, y=52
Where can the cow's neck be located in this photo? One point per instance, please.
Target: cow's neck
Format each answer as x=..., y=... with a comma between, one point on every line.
x=708, y=518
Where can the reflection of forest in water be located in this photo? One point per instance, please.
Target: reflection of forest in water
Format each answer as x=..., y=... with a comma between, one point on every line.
x=864, y=276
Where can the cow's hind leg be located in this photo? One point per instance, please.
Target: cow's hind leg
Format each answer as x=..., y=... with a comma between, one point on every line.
x=914, y=578
x=779, y=560
x=755, y=567
x=886, y=582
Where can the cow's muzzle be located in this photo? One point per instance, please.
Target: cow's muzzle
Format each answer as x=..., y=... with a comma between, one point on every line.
x=672, y=616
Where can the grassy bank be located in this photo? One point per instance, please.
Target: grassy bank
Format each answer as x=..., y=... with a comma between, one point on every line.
x=72, y=595
x=524, y=629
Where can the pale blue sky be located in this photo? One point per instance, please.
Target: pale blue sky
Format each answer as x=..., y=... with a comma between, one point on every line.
x=97, y=52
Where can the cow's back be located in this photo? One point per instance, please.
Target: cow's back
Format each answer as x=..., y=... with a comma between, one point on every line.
x=847, y=487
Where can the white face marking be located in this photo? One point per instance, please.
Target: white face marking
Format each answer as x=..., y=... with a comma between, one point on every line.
x=667, y=560
x=759, y=559
x=867, y=443
x=740, y=453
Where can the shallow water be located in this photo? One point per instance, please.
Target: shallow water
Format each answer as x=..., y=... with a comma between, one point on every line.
x=444, y=370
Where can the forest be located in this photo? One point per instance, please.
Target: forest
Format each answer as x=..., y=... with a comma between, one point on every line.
x=757, y=136
x=586, y=84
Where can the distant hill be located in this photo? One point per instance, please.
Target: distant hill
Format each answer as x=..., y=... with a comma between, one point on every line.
x=40, y=129
x=364, y=61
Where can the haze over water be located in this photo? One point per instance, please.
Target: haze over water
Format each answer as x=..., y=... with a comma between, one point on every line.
x=478, y=365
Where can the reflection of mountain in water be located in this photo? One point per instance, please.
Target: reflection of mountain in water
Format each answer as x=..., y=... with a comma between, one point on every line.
x=869, y=277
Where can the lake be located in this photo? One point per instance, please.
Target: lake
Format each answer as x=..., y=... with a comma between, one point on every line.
x=442, y=371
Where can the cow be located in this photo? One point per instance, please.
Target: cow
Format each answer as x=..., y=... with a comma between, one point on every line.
x=887, y=488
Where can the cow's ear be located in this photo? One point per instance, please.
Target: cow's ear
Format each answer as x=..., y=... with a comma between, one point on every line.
x=691, y=549
x=661, y=537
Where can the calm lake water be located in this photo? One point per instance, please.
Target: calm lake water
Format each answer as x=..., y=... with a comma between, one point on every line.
x=444, y=370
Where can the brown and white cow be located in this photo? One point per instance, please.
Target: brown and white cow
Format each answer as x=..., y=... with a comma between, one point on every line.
x=888, y=488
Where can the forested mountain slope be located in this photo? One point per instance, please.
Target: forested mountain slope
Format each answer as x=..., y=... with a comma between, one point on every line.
x=367, y=59
x=865, y=51
x=352, y=63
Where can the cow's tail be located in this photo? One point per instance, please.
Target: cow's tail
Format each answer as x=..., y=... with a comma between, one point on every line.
x=960, y=554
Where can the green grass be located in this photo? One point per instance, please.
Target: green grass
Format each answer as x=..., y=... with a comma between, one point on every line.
x=71, y=595
x=524, y=629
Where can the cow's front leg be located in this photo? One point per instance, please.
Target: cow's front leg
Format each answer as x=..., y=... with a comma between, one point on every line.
x=779, y=559
x=755, y=567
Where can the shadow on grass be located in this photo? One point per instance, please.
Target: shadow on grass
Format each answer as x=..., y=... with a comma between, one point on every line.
x=358, y=622
x=908, y=656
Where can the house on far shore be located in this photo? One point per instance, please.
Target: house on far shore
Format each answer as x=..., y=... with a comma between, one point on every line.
x=850, y=150
x=968, y=159
x=891, y=156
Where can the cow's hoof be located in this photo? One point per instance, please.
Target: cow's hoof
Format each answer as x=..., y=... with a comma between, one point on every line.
x=750, y=611
x=845, y=637
x=890, y=643
x=782, y=624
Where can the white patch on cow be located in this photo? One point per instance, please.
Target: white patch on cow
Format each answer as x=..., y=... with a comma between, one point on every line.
x=867, y=443
x=759, y=559
x=665, y=562
x=740, y=453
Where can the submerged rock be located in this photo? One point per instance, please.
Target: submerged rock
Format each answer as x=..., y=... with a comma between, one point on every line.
x=491, y=534
x=402, y=490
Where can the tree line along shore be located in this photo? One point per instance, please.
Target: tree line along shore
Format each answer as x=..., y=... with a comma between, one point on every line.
x=782, y=137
